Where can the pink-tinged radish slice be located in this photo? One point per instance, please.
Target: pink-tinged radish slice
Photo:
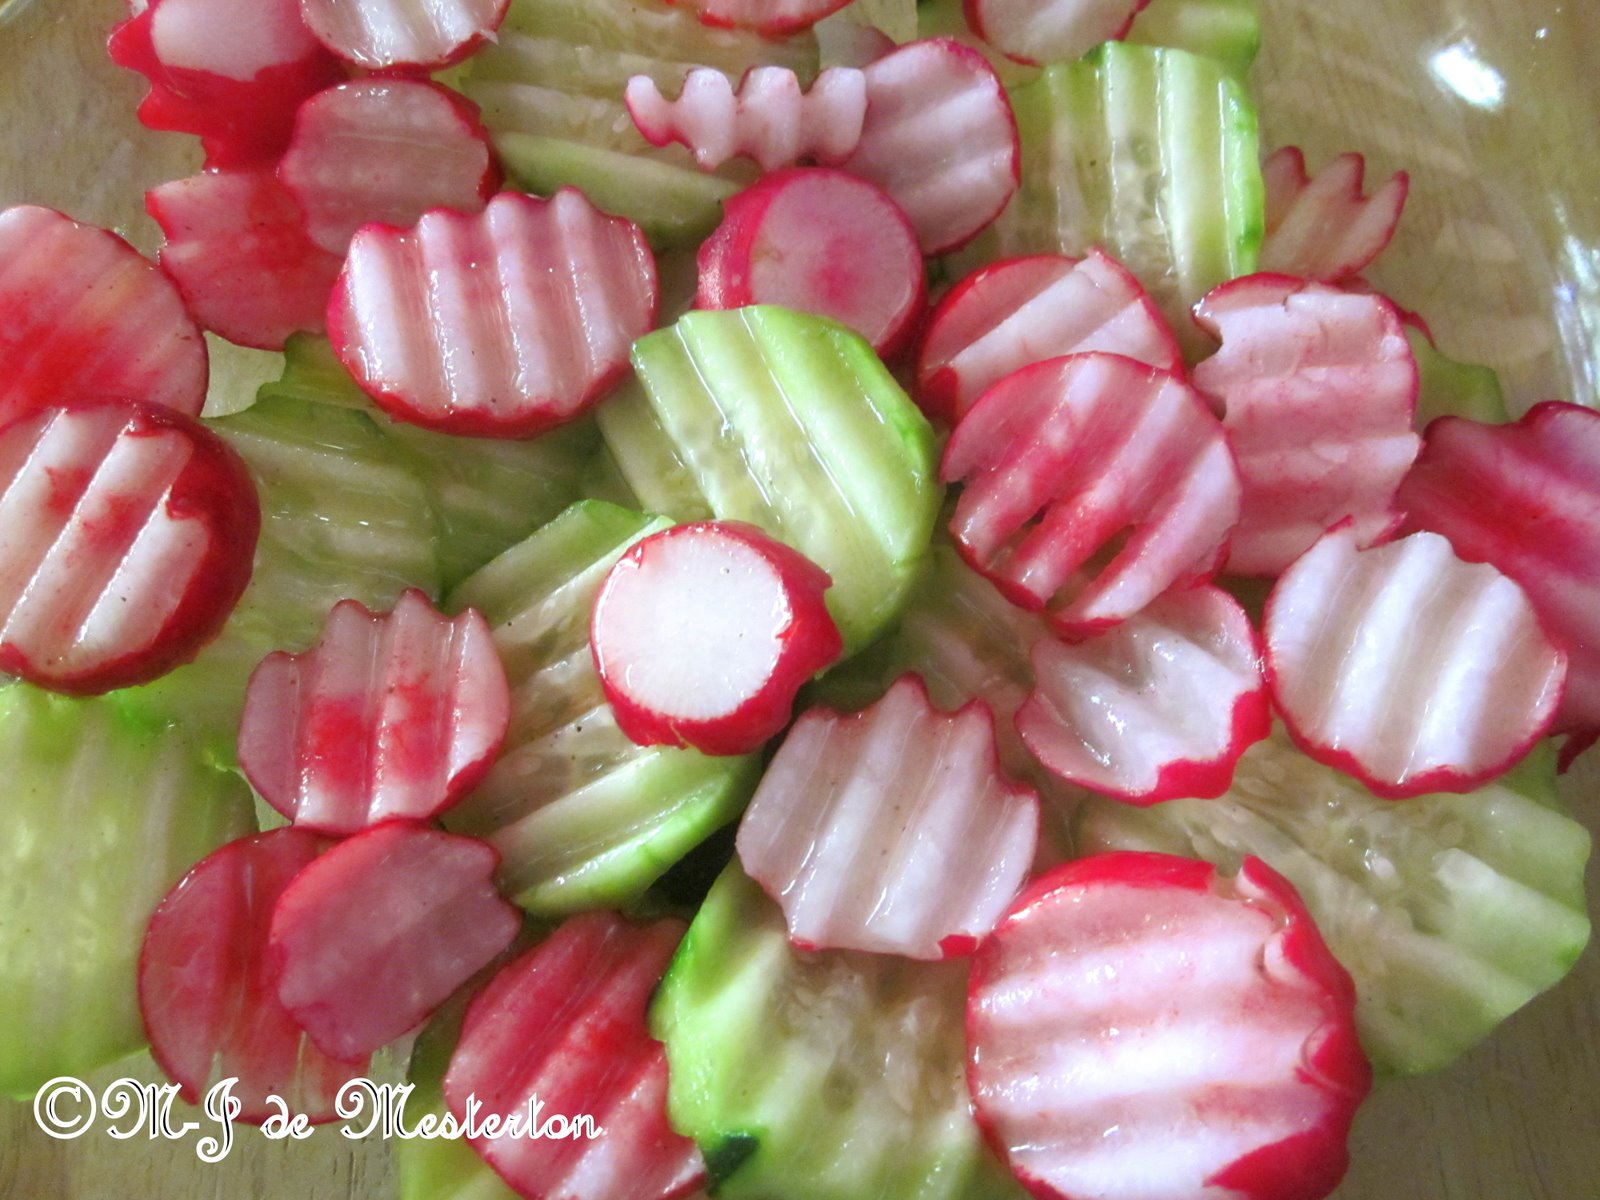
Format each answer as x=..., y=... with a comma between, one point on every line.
x=82, y=313
x=703, y=634
x=127, y=534
x=398, y=715
x=380, y=34
x=207, y=994
x=564, y=1025
x=1093, y=484
x=1323, y=228
x=1318, y=390
x=940, y=138
x=385, y=150
x=823, y=242
x=1406, y=667
x=1140, y=1027
x=769, y=119
x=892, y=829
x=503, y=324
x=1047, y=31
x=774, y=18
x=379, y=931
x=1019, y=311
x=1158, y=708
x=237, y=249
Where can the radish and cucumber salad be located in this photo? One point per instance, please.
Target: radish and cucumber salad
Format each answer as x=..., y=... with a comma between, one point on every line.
x=862, y=594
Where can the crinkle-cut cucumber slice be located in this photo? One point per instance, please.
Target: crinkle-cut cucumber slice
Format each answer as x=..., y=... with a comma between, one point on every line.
x=1450, y=911
x=792, y=423
x=1226, y=30
x=102, y=809
x=1446, y=388
x=832, y=1075
x=582, y=816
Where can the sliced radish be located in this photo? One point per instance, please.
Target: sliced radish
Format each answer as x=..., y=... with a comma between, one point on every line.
x=819, y=241
x=1323, y=228
x=127, y=533
x=1093, y=484
x=891, y=829
x=1019, y=311
x=84, y=314
x=1318, y=389
x=1140, y=1027
x=563, y=1027
x=702, y=634
x=1407, y=667
x=940, y=138
x=503, y=324
x=1050, y=31
x=771, y=17
x=379, y=34
x=207, y=993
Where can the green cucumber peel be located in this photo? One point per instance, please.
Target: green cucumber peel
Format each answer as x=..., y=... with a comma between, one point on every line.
x=1446, y=388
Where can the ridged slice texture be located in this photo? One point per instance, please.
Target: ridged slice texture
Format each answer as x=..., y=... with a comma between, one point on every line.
x=1447, y=388
x=380, y=34
x=772, y=17
x=1093, y=484
x=1409, y=668
x=1324, y=227
x=1317, y=389
x=565, y=1024
x=1450, y=911
x=1141, y=1028
x=582, y=816
x=83, y=314
x=1160, y=706
x=1228, y=31
x=68, y=950
x=507, y=323
x=1053, y=31
x=890, y=830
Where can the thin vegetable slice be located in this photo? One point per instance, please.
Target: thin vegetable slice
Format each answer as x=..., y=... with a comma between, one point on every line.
x=1324, y=227
x=382, y=34
x=771, y=17
x=1053, y=31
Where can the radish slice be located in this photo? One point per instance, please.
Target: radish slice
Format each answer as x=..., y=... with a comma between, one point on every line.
x=385, y=150
x=380, y=34
x=771, y=17
x=702, y=634
x=127, y=533
x=1020, y=311
x=940, y=138
x=1324, y=228
x=563, y=1027
x=208, y=996
x=398, y=715
x=1139, y=1027
x=819, y=241
x=1160, y=707
x=84, y=314
x=891, y=829
x=1406, y=667
x=503, y=324
x=1318, y=389
x=1064, y=460
x=1050, y=31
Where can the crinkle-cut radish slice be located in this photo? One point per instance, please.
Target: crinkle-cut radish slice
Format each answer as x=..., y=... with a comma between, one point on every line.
x=702, y=635
x=1406, y=667
x=771, y=17
x=391, y=715
x=1093, y=484
x=127, y=533
x=1317, y=389
x=1140, y=1027
x=819, y=241
x=1526, y=498
x=237, y=249
x=1047, y=31
x=385, y=150
x=380, y=34
x=84, y=314
x=892, y=829
x=502, y=324
x=1324, y=228
x=374, y=935
x=940, y=138
x=207, y=993
x=1159, y=707
x=1018, y=311
x=564, y=1025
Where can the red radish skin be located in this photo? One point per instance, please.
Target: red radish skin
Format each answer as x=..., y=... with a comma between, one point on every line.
x=385, y=35
x=1325, y=228
x=823, y=242
x=127, y=535
x=703, y=634
x=775, y=18
x=1045, y=31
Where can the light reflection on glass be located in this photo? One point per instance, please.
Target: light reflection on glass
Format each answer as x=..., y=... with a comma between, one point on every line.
x=1459, y=69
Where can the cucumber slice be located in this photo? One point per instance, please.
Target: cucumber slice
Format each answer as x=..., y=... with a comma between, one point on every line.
x=1226, y=30
x=790, y=422
x=1450, y=911
x=313, y=374
x=1447, y=388
x=818, y=1076
x=948, y=19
